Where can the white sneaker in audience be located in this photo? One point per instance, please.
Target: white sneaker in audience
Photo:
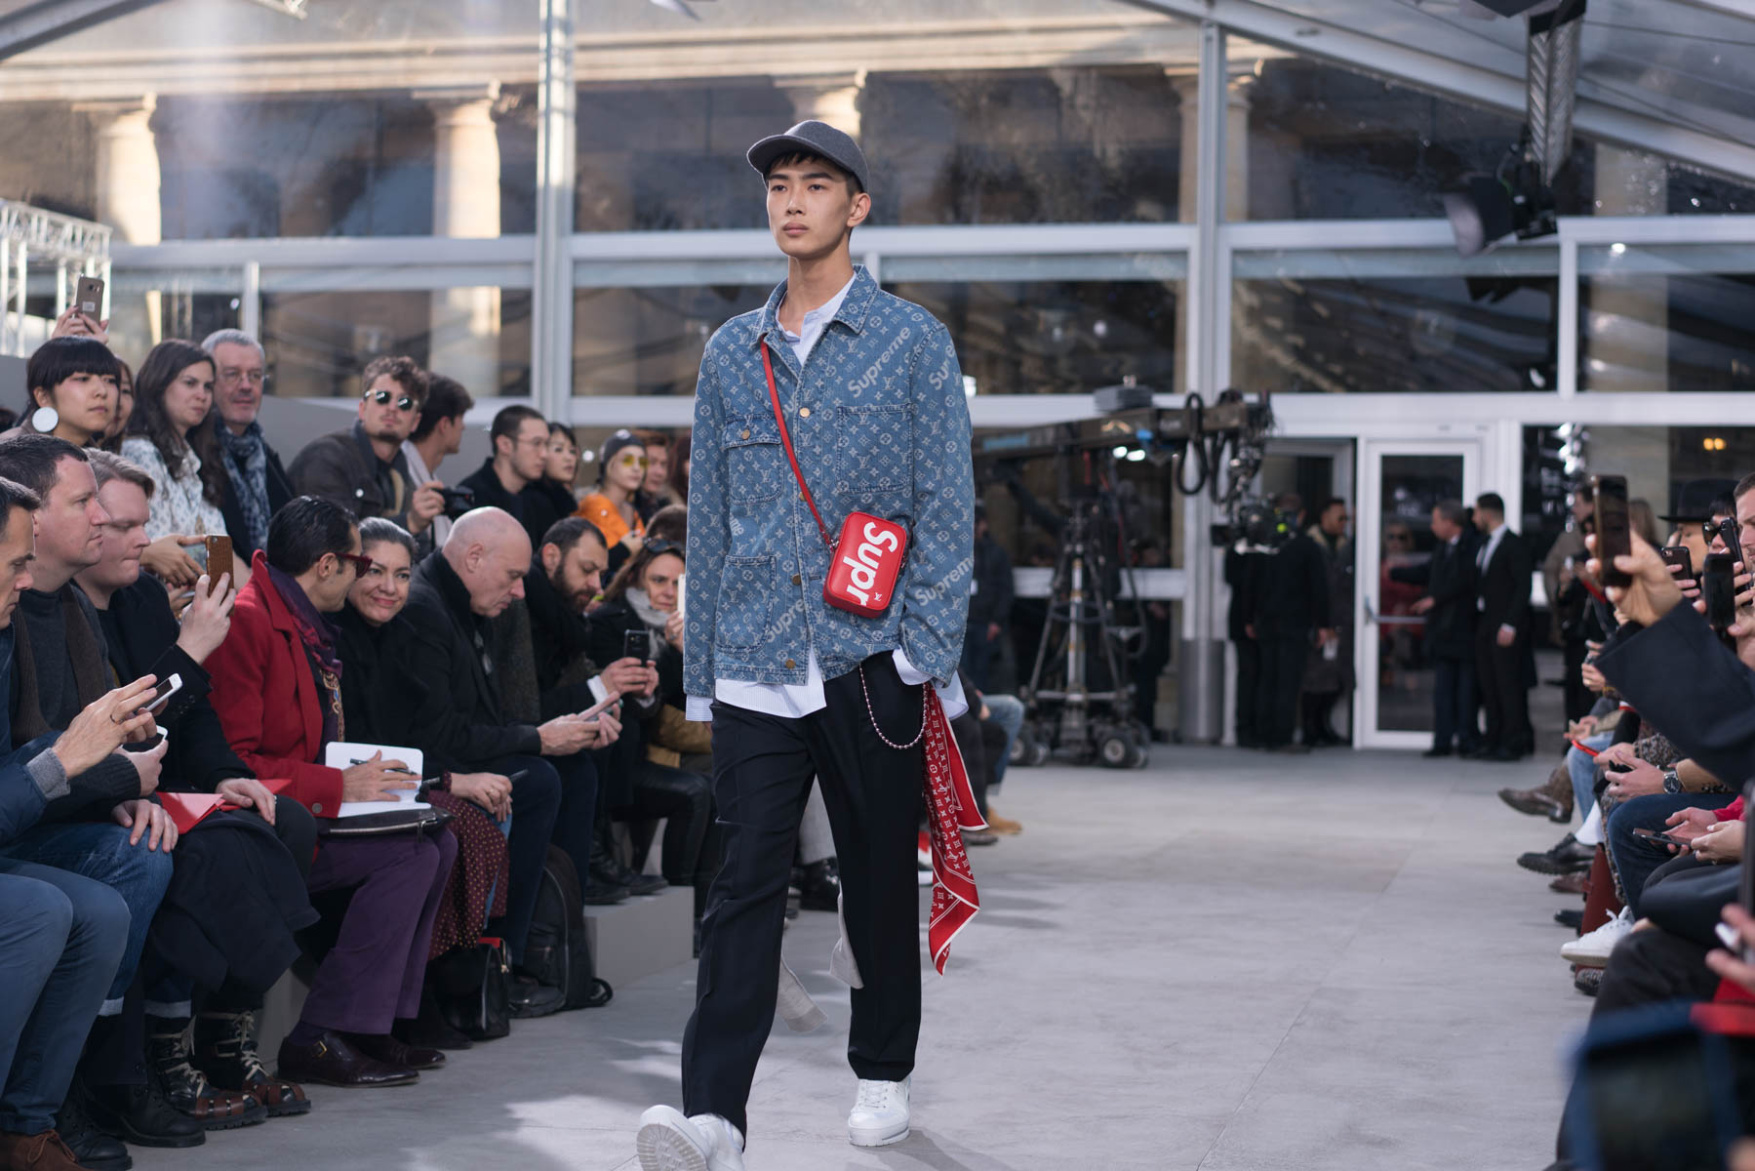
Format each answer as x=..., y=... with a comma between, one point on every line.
x=670, y=1142
x=1592, y=950
x=880, y=1114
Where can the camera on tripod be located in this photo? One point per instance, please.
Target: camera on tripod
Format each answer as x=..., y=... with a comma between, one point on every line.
x=1256, y=524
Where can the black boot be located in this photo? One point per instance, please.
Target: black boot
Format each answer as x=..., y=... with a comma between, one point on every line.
x=141, y=1114
x=819, y=886
x=170, y=1060
x=225, y=1051
x=91, y=1146
x=607, y=870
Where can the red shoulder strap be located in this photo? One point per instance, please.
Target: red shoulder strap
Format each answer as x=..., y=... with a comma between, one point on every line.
x=786, y=438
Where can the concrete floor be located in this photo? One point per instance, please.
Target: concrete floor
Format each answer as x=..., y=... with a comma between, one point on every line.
x=1225, y=961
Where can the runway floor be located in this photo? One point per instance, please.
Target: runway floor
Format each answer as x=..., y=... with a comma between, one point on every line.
x=1226, y=961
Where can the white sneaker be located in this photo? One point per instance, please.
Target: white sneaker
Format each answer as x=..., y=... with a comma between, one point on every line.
x=670, y=1142
x=880, y=1114
x=1592, y=950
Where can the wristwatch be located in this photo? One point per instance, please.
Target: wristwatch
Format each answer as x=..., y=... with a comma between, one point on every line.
x=1672, y=782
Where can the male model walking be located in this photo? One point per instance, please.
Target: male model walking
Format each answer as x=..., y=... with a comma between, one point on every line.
x=873, y=406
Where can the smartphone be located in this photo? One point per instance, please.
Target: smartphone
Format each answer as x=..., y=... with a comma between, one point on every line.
x=1679, y=555
x=1614, y=534
x=88, y=296
x=219, y=561
x=1727, y=531
x=637, y=644
x=1717, y=587
x=607, y=700
x=1652, y=835
x=161, y=694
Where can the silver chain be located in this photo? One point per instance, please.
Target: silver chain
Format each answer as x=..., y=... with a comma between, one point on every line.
x=874, y=724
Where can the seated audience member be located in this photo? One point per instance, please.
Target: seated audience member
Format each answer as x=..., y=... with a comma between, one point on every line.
x=112, y=438
x=560, y=471
x=277, y=689
x=256, y=485
x=72, y=383
x=463, y=725
x=363, y=469
x=642, y=599
x=58, y=669
x=655, y=490
x=62, y=935
x=438, y=434
x=383, y=702
x=233, y=948
x=520, y=438
x=621, y=470
x=169, y=440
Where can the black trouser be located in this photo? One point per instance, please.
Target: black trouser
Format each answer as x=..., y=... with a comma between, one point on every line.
x=685, y=801
x=1454, y=705
x=762, y=771
x=1282, y=674
x=1499, y=671
x=1248, y=688
x=1579, y=699
x=578, y=813
x=536, y=803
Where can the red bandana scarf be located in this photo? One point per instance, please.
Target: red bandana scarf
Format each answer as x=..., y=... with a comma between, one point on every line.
x=950, y=809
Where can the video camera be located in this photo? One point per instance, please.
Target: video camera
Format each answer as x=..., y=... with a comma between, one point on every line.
x=1257, y=523
x=457, y=501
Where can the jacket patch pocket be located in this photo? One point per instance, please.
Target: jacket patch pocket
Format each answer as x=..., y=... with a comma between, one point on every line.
x=877, y=448
x=746, y=593
x=755, y=466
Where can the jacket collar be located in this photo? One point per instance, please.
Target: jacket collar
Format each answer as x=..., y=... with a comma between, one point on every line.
x=852, y=314
x=279, y=613
x=451, y=590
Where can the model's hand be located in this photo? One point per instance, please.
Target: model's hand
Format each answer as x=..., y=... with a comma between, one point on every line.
x=165, y=559
x=104, y=726
x=148, y=821
x=491, y=791
x=376, y=779
x=248, y=793
x=208, y=618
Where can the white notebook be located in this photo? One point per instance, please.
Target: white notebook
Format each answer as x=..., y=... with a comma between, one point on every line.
x=346, y=754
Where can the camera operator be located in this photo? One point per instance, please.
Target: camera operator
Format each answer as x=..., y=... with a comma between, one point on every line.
x=1291, y=612
x=438, y=434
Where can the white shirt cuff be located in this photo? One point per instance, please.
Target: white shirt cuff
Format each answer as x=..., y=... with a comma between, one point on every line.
x=700, y=709
x=955, y=702
x=599, y=689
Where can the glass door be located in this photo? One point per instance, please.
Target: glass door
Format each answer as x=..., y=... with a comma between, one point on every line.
x=1399, y=482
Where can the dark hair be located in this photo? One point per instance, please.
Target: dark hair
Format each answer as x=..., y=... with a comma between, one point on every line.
x=559, y=428
x=650, y=439
x=1452, y=511
x=377, y=530
x=628, y=577
x=670, y=523
x=30, y=459
x=1330, y=503
x=507, y=422
x=567, y=532
x=446, y=399
x=107, y=466
x=1746, y=484
x=167, y=360
x=305, y=530
x=404, y=371
x=61, y=358
x=14, y=495
x=801, y=157
x=1490, y=502
x=1727, y=505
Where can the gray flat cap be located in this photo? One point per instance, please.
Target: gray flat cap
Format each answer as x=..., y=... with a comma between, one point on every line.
x=817, y=138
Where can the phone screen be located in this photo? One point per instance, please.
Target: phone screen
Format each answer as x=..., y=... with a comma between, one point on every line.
x=219, y=561
x=162, y=692
x=1613, y=539
x=1717, y=587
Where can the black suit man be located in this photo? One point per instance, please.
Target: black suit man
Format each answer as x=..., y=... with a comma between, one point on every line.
x=1503, y=565
x=1291, y=611
x=1449, y=607
x=1244, y=566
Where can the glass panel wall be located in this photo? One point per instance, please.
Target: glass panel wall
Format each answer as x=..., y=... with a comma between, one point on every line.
x=1666, y=317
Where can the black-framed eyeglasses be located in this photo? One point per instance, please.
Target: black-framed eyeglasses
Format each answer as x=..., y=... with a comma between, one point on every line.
x=383, y=397
x=362, y=564
x=663, y=546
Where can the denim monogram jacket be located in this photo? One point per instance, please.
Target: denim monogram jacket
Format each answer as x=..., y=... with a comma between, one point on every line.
x=880, y=425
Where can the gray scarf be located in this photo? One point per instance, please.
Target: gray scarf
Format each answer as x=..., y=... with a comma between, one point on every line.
x=655, y=619
x=246, y=465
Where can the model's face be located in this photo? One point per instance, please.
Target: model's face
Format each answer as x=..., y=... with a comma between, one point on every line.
x=561, y=458
x=627, y=469
x=239, y=379
x=578, y=576
x=528, y=449
x=811, y=209
x=86, y=404
x=381, y=591
x=122, y=538
x=657, y=469
x=16, y=553
x=659, y=580
x=189, y=397
x=69, y=535
x=387, y=411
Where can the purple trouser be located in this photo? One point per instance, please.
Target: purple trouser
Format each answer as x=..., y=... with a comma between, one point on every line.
x=373, y=974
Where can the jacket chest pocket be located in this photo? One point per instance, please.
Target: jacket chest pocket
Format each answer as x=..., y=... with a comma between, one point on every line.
x=755, y=466
x=876, y=446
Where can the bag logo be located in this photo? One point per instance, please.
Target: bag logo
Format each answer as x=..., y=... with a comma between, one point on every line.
x=862, y=573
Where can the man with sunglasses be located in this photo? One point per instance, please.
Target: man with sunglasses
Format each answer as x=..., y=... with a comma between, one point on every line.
x=364, y=469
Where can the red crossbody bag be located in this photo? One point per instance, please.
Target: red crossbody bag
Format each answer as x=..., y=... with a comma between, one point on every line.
x=865, y=563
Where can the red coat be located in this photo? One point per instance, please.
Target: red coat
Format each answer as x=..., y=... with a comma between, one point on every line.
x=267, y=700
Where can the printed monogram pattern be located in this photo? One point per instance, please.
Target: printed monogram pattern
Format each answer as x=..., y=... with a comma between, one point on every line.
x=880, y=425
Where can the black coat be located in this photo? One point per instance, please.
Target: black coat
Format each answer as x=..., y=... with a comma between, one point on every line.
x=544, y=502
x=490, y=493
x=609, y=626
x=1243, y=574
x=343, y=469
x=1294, y=598
x=142, y=639
x=1504, y=586
x=1449, y=578
x=443, y=651
x=561, y=639
x=383, y=699
x=280, y=490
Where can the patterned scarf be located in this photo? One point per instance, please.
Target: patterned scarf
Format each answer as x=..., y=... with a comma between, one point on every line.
x=246, y=465
x=950, y=809
x=321, y=640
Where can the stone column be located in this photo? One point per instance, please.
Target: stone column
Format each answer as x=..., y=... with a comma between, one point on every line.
x=128, y=200
x=465, y=341
x=826, y=97
x=1236, y=176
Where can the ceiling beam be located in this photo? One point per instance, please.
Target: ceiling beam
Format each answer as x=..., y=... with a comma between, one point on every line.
x=50, y=20
x=1601, y=120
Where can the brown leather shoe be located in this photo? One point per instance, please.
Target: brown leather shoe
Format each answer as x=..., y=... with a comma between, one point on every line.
x=1003, y=825
x=332, y=1060
x=1535, y=803
x=36, y=1152
x=392, y=1051
x=1577, y=883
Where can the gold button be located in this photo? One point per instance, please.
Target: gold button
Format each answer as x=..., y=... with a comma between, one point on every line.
x=746, y=433
x=804, y=412
x=790, y=664
x=797, y=580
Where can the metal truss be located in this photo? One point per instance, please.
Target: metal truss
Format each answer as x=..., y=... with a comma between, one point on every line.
x=31, y=237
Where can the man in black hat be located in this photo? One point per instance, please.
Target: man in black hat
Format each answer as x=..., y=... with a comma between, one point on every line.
x=872, y=400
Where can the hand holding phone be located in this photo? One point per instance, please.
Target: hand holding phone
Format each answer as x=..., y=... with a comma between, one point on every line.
x=637, y=644
x=219, y=561
x=88, y=296
x=1718, y=590
x=595, y=708
x=1652, y=835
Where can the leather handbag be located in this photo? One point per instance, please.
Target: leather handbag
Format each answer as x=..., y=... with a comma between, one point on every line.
x=389, y=823
x=867, y=559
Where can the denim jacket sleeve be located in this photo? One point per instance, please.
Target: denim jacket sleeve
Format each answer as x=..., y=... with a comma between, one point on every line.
x=706, y=541
x=935, y=581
